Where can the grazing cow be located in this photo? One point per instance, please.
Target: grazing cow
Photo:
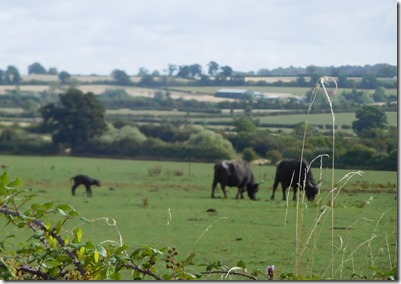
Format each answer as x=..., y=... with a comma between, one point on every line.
x=287, y=173
x=86, y=181
x=235, y=173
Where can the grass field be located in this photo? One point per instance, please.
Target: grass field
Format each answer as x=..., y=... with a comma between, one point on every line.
x=170, y=209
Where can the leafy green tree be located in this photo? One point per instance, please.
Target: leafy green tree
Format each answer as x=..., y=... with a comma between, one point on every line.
x=147, y=81
x=301, y=82
x=226, y=71
x=36, y=68
x=143, y=71
x=2, y=74
x=274, y=156
x=358, y=97
x=379, y=95
x=343, y=82
x=30, y=106
x=196, y=70
x=190, y=71
x=244, y=123
x=121, y=78
x=12, y=76
x=213, y=67
x=131, y=133
x=64, y=77
x=171, y=69
x=369, y=82
x=369, y=118
x=52, y=71
x=78, y=118
x=183, y=71
x=209, y=141
x=249, y=155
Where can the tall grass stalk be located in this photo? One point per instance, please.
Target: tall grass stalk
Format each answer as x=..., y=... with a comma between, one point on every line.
x=320, y=84
x=204, y=232
x=388, y=251
x=283, y=262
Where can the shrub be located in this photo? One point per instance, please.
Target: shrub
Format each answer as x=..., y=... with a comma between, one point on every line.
x=249, y=155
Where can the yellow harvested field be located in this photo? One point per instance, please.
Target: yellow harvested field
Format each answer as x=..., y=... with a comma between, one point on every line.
x=39, y=77
x=274, y=79
x=98, y=89
x=30, y=88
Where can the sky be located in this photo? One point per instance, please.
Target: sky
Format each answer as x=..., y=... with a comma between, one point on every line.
x=98, y=36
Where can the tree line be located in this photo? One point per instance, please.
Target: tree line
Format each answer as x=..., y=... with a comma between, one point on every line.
x=217, y=75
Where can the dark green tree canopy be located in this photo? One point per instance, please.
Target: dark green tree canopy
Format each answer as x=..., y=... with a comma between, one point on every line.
x=12, y=75
x=244, y=123
x=369, y=118
x=64, y=77
x=121, y=78
x=213, y=68
x=78, y=118
x=36, y=68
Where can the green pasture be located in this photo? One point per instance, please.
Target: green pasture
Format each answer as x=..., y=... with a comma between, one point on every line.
x=170, y=209
x=321, y=118
x=291, y=119
x=297, y=91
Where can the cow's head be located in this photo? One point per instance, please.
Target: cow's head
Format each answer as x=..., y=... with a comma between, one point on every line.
x=96, y=182
x=311, y=190
x=252, y=189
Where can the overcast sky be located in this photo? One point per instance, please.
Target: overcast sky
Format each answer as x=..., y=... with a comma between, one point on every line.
x=98, y=36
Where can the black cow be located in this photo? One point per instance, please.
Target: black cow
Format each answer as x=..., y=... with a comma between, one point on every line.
x=287, y=173
x=85, y=180
x=235, y=173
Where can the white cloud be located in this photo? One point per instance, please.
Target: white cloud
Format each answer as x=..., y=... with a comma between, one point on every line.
x=95, y=36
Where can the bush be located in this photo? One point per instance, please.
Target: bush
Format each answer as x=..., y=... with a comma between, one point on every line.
x=210, y=142
x=249, y=155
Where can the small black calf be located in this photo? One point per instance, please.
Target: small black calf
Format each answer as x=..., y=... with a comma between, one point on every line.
x=86, y=181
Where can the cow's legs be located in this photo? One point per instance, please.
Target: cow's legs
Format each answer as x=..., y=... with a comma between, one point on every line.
x=284, y=191
x=74, y=187
x=240, y=193
x=275, y=186
x=213, y=187
x=223, y=188
x=88, y=190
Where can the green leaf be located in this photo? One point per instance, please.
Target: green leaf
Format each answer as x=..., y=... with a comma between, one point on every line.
x=36, y=206
x=65, y=207
x=62, y=212
x=96, y=256
x=48, y=205
x=241, y=264
x=190, y=258
x=78, y=234
x=121, y=249
x=4, y=178
x=54, y=272
x=16, y=183
x=102, y=251
x=90, y=245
